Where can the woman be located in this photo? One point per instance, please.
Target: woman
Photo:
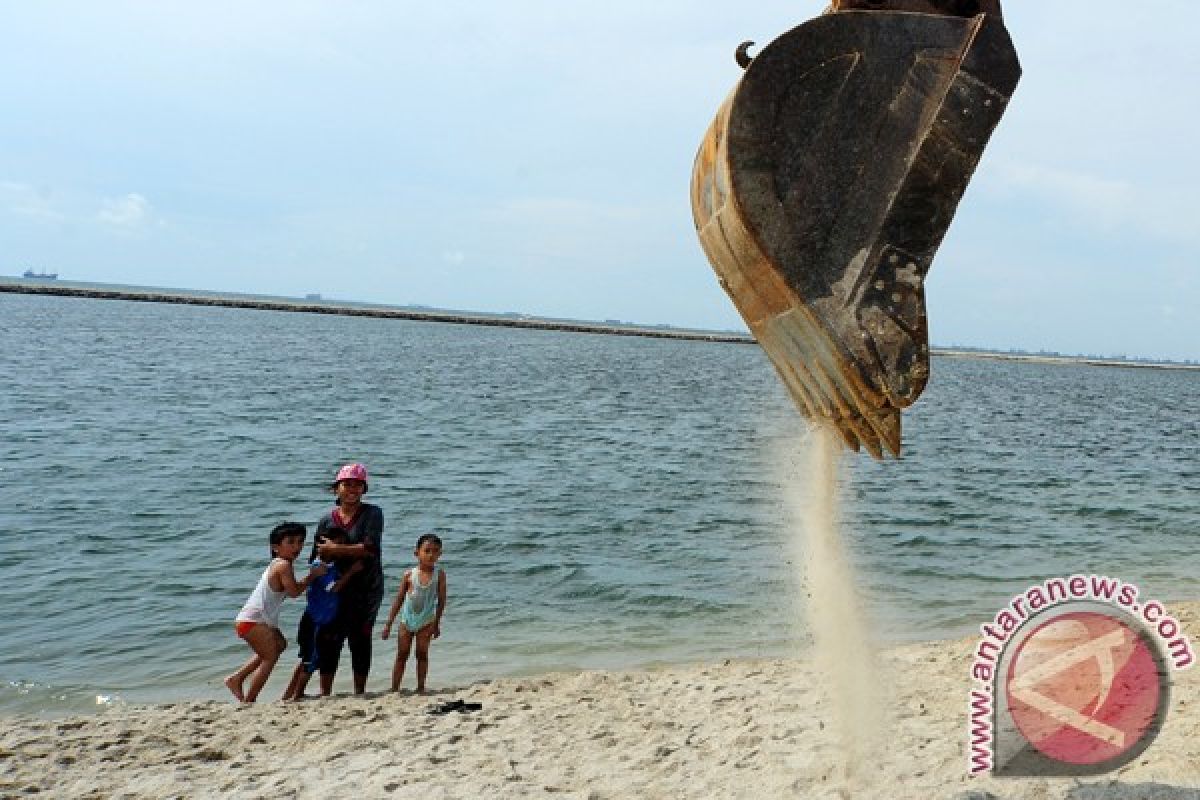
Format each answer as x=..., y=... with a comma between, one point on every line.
x=363, y=594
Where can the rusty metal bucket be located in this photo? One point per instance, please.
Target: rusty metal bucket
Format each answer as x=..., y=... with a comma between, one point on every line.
x=826, y=183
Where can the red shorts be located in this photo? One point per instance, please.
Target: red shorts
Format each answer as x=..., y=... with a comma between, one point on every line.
x=243, y=627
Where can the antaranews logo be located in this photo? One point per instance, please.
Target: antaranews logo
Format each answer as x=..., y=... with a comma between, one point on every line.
x=1071, y=678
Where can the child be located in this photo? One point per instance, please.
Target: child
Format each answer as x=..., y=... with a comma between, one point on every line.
x=321, y=609
x=258, y=621
x=420, y=601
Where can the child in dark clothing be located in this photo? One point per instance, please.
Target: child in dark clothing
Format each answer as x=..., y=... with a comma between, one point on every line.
x=320, y=610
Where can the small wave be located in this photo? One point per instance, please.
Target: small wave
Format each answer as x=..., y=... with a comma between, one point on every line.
x=526, y=547
x=674, y=606
x=917, y=541
x=540, y=569
x=47, y=700
x=592, y=591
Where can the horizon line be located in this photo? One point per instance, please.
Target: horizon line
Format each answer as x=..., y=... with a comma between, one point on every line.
x=316, y=304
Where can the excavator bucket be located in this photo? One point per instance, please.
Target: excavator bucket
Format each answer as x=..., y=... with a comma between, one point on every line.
x=826, y=183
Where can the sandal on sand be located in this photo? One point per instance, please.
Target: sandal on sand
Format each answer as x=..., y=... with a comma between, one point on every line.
x=455, y=705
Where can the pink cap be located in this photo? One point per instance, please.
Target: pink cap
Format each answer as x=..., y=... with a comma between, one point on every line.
x=352, y=472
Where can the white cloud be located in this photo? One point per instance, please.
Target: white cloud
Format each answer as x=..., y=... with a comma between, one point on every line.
x=23, y=200
x=454, y=257
x=1082, y=192
x=130, y=211
x=1108, y=203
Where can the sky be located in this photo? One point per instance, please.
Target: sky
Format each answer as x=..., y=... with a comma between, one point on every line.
x=535, y=156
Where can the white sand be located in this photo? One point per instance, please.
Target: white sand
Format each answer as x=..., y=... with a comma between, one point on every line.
x=743, y=729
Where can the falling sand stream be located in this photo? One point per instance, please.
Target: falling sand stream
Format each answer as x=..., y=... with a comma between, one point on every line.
x=841, y=650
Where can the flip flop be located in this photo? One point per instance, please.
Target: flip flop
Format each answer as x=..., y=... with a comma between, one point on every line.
x=446, y=708
x=455, y=705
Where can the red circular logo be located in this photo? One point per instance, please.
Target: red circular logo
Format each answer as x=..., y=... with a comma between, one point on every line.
x=1084, y=688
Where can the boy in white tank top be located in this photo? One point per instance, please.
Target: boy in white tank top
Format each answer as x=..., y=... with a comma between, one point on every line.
x=258, y=621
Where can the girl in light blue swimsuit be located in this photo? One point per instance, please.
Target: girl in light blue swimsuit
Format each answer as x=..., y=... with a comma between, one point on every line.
x=420, y=602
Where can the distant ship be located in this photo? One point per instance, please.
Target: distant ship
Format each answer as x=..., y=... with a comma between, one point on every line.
x=43, y=276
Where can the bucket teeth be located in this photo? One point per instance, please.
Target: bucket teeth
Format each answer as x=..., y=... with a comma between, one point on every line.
x=824, y=187
x=824, y=383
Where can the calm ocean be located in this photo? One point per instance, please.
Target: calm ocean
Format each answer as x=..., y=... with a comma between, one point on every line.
x=605, y=501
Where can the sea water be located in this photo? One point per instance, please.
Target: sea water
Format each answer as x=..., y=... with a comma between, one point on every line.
x=605, y=501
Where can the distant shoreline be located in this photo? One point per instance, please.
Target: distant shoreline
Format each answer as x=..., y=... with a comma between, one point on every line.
x=1082, y=361
x=342, y=308
x=354, y=310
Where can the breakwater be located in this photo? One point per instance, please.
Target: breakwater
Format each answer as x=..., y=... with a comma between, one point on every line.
x=341, y=308
x=356, y=310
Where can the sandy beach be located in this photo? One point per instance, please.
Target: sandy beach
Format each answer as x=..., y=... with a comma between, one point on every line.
x=749, y=728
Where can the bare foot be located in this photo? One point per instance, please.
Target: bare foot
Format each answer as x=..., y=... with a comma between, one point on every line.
x=235, y=686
